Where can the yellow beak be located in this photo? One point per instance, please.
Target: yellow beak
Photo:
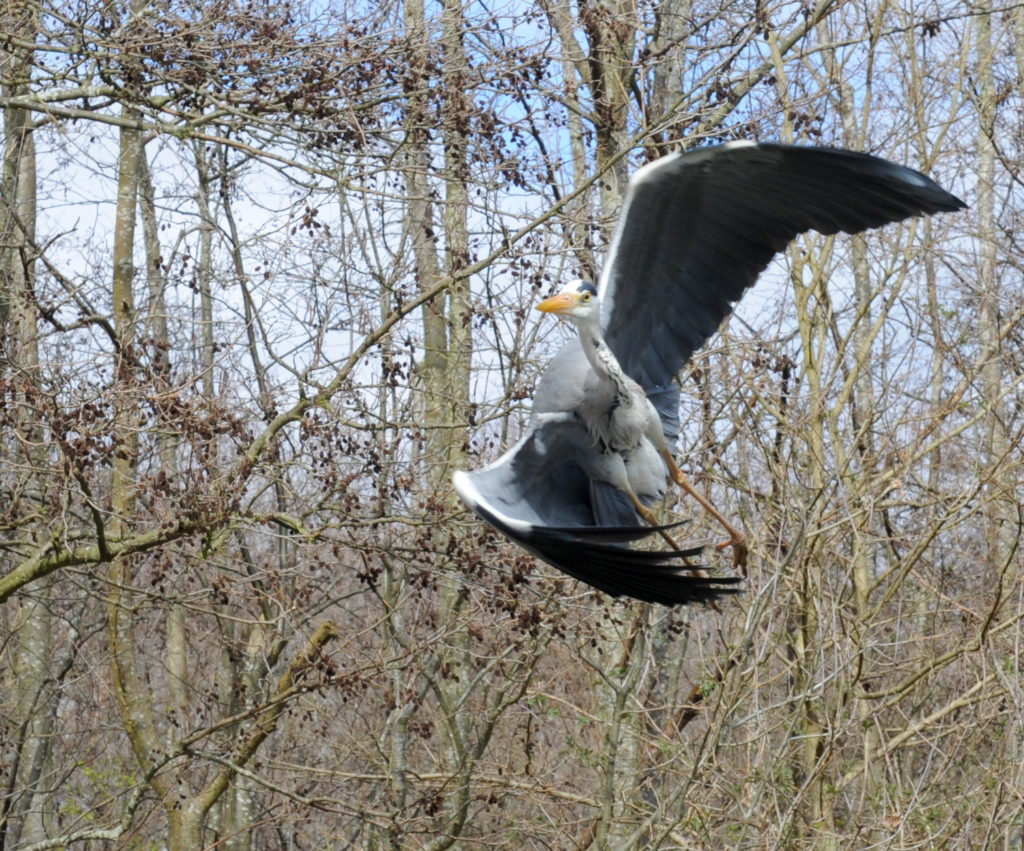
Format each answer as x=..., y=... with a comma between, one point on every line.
x=558, y=303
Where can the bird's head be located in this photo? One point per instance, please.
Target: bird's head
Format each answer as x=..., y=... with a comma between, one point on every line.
x=577, y=301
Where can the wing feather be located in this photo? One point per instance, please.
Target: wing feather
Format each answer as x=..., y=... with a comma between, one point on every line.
x=697, y=229
x=538, y=496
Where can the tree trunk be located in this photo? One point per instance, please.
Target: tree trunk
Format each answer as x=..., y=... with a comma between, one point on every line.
x=32, y=678
x=999, y=511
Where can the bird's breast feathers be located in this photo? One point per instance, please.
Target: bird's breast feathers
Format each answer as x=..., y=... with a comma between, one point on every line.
x=618, y=424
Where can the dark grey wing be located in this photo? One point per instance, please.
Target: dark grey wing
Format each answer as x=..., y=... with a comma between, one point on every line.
x=538, y=496
x=697, y=228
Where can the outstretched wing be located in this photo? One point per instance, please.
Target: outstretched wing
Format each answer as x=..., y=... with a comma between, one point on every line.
x=537, y=495
x=697, y=228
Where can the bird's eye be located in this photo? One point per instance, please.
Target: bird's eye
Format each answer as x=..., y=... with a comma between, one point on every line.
x=585, y=297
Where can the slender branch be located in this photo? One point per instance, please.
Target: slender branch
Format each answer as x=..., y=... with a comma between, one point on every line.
x=289, y=685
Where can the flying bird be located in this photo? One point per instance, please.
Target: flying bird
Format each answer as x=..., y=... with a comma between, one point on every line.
x=695, y=231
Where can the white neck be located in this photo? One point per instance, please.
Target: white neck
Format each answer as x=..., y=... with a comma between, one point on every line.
x=600, y=356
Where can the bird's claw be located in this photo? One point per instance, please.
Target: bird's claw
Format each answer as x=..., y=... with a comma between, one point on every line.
x=739, y=553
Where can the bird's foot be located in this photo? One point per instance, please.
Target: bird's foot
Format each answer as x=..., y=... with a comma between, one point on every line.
x=738, y=542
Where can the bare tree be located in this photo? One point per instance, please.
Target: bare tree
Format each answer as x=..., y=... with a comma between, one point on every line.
x=267, y=280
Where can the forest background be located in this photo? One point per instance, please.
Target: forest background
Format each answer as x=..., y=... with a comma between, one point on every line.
x=266, y=279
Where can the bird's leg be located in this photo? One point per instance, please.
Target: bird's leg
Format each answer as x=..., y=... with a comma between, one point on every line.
x=737, y=540
x=652, y=519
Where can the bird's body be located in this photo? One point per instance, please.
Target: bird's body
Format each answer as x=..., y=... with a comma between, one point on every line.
x=695, y=231
x=614, y=407
x=625, y=429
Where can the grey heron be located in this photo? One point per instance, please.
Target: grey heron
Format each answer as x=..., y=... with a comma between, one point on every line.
x=695, y=231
